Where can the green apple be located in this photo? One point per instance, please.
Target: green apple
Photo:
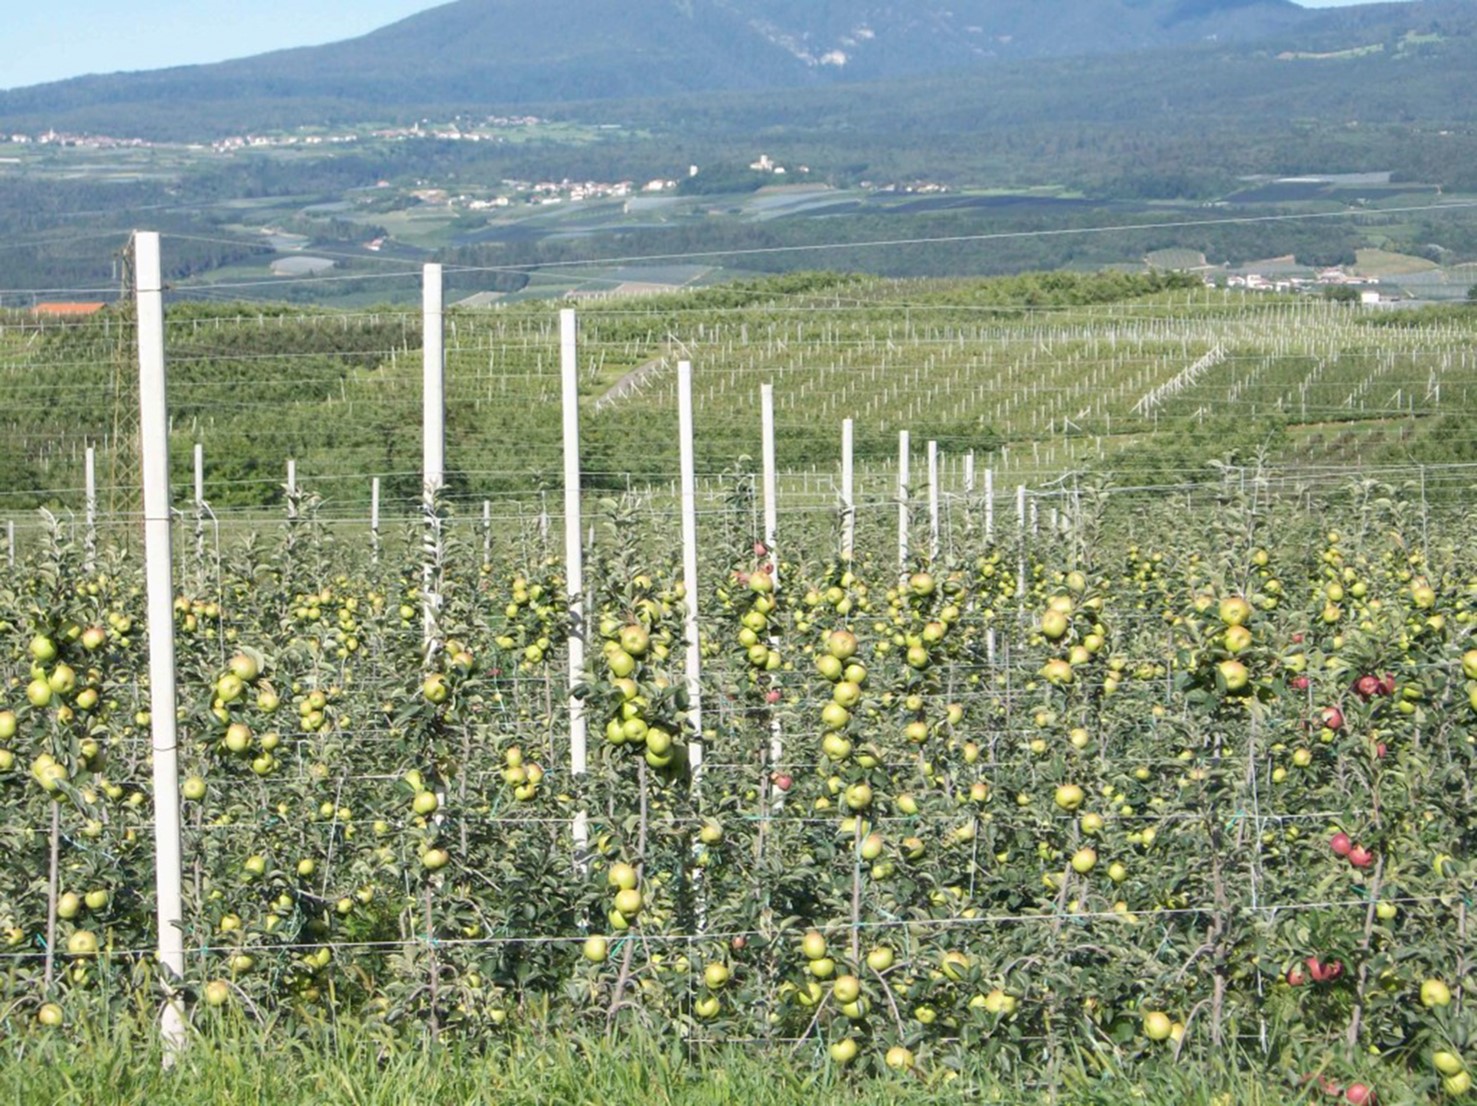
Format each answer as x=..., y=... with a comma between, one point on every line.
x=1157, y=1025
x=1435, y=993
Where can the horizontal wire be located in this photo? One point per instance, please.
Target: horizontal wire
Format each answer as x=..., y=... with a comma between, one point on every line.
x=1055, y=918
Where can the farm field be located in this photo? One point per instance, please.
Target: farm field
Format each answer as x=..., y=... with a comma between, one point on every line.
x=1148, y=377
x=1150, y=760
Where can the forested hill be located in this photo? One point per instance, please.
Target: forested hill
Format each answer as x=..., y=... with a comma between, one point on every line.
x=495, y=54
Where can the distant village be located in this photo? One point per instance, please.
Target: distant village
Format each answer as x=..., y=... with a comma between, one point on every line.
x=484, y=130
x=1365, y=288
x=481, y=130
x=76, y=141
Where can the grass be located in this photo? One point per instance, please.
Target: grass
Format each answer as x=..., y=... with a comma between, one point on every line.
x=346, y=1068
x=1176, y=259
x=1375, y=262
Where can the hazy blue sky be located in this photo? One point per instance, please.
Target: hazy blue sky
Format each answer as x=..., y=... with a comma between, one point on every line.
x=66, y=38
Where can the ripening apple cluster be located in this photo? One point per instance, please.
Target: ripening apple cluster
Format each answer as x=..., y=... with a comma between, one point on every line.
x=844, y=997
x=55, y=682
x=1072, y=625
x=72, y=699
x=626, y=899
x=238, y=690
x=837, y=664
x=457, y=664
x=523, y=776
x=425, y=802
x=342, y=636
x=533, y=619
x=755, y=630
x=635, y=723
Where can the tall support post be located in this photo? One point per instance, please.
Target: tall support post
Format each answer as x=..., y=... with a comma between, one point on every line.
x=433, y=448
x=1020, y=523
x=771, y=479
x=969, y=473
x=10, y=542
x=848, y=490
x=374, y=519
x=989, y=540
x=154, y=436
x=574, y=564
x=487, y=531
x=989, y=505
x=200, y=502
x=933, y=501
x=904, y=478
x=89, y=542
x=687, y=462
x=771, y=533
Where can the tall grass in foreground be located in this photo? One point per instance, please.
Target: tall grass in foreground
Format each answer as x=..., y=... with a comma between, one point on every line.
x=347, y=1068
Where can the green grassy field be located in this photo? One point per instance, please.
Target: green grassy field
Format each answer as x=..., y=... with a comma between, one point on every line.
x=346, y=1066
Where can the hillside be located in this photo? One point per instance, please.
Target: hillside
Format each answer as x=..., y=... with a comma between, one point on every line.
x=1145, y=376
x=490, y=54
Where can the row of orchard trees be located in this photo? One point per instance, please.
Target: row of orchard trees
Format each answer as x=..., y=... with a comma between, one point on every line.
x=1197, y=779
x=1218, y=781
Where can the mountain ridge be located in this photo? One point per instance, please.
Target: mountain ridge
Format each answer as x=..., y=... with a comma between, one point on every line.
x=497, y=55
x=507, y=53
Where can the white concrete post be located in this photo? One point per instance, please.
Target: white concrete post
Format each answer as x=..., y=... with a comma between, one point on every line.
x=989, y=505
x=199, y=502
x=374, y=518
x=848, y=490
x=688, y=465
x=574, y=562
x=771, y=480
x=154, y=435
x=933, y=501
x=904, y=456
x=89, y=546
x=433, y=443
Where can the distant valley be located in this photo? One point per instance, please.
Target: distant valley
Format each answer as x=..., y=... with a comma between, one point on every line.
x=523, y=146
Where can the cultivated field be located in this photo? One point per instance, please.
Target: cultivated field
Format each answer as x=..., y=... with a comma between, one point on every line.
x=1091, y=779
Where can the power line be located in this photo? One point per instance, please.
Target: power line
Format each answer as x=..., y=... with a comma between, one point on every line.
x=993, y=236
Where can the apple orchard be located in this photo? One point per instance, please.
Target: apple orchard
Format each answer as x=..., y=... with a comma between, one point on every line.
x=1201, y=786
x=1174, y=776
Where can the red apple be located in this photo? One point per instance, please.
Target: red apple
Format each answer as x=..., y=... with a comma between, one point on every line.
x=1298, y=683
x=1359, y=1094
x=1332, y=717
x=1324, y=973
x=1361, y=857
x=782, y=781
x=1296, y=977
x=1367, y=687
x=1341, y=844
